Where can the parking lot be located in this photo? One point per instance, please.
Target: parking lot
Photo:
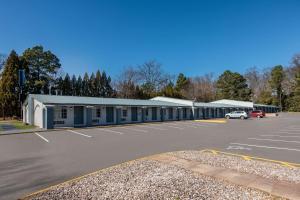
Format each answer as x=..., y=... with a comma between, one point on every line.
x=33, y=161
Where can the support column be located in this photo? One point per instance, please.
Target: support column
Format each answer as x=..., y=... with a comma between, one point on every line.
x=89, y=116
x=48, y=115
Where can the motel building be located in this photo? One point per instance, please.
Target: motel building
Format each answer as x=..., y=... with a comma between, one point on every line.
x=51, y=111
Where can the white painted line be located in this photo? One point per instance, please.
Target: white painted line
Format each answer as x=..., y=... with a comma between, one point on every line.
x=104, y=129
x=288, y=130
x=288, y=136
x=174, y=127
x=79, y=133
x=133, y=129
x=293, y=133
x=267, y=147
x=152, y=127
x=42, y=137
x=272, y=140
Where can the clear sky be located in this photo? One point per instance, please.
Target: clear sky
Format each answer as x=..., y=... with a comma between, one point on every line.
x=193, y=37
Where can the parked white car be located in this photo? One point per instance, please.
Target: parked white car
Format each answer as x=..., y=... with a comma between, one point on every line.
x=236, y=114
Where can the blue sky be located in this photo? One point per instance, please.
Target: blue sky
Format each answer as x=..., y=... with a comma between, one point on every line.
x=193, y=37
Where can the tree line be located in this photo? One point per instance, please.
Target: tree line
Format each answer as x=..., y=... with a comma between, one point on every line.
x=278, y=85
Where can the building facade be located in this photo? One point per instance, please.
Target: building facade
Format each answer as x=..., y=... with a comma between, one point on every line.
x=50, y=111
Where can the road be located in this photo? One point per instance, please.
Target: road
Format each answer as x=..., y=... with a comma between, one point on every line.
x=33, y=161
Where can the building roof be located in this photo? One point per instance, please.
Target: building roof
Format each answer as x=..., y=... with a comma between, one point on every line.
x=247, y=104
x=264, y=105
x=193, y=103
x=76, y=100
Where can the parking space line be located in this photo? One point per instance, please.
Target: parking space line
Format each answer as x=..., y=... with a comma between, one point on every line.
x=287, y=136
x=152, y=127
x=267, y=147
x=186, y=125
x=79, y=133
x=42, y=137
x=288, y=130
x=112, y=131
x=180, y=128
x=133, y=129
x=293, y=133
x=272, y=140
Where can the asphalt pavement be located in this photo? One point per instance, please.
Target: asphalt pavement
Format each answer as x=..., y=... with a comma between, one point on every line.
x=33, y=161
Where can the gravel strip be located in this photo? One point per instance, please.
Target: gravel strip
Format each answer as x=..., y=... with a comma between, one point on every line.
x=143, y=179
x=265, y=169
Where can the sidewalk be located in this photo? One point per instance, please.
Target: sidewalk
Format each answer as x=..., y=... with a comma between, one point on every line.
x=18, y=131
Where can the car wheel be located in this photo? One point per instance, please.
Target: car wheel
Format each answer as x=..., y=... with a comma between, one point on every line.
x=227, y=117
x=242, y=117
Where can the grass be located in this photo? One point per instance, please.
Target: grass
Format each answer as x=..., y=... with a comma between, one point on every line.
x=17, y=124
x=21, y=125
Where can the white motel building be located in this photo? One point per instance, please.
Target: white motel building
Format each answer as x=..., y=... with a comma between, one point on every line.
x=51, y=111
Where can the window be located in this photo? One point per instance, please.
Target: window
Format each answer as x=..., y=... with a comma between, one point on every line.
x=98, y=112
x=64, y=113
x=124, y=113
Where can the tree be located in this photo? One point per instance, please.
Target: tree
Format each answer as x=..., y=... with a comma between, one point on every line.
x=79, y=86
x=126, y=84
x=276, y=80
x=182, y=84
x=232, y=85
x=42, y=66
x=253, y=78
x=2, y=61
x=98, y=83
x=294, y=101
x=85, y=85
x=92, y=85
x=73, y=86
x=9, y=92
x=151, y=77
x=201, y=88
x=67, y=85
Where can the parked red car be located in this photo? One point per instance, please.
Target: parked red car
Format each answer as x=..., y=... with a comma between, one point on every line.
x=258, y=113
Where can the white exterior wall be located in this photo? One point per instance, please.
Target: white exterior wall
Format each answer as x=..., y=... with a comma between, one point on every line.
x=149, y=116
x=69, y=121
x=102, y=119
x=38, y=113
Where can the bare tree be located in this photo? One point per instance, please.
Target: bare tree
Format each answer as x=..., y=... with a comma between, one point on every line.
x=126, y=84
x=253, y=77
x=151, y=74
x=201, y=88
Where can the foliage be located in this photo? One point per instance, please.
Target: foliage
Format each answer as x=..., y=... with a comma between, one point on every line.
x=42, y=67
x=232, y=85
x=276, y=80
x=9, y=93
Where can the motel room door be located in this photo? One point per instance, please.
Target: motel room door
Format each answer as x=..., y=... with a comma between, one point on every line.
x=78, y=115
x=109, y=115
x=134, y=114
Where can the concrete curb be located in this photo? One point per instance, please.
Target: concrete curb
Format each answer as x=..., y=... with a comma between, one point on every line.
x=275, y=188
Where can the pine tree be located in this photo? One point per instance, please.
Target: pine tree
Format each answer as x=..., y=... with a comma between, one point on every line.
x=92, y=85
x=59, y=86
x=67, y=85
x=73, y=85
x=85, y=85
x=9, y=92
x=98, y=83
x=232, y=85
x=42, y=68
x=79, y=86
